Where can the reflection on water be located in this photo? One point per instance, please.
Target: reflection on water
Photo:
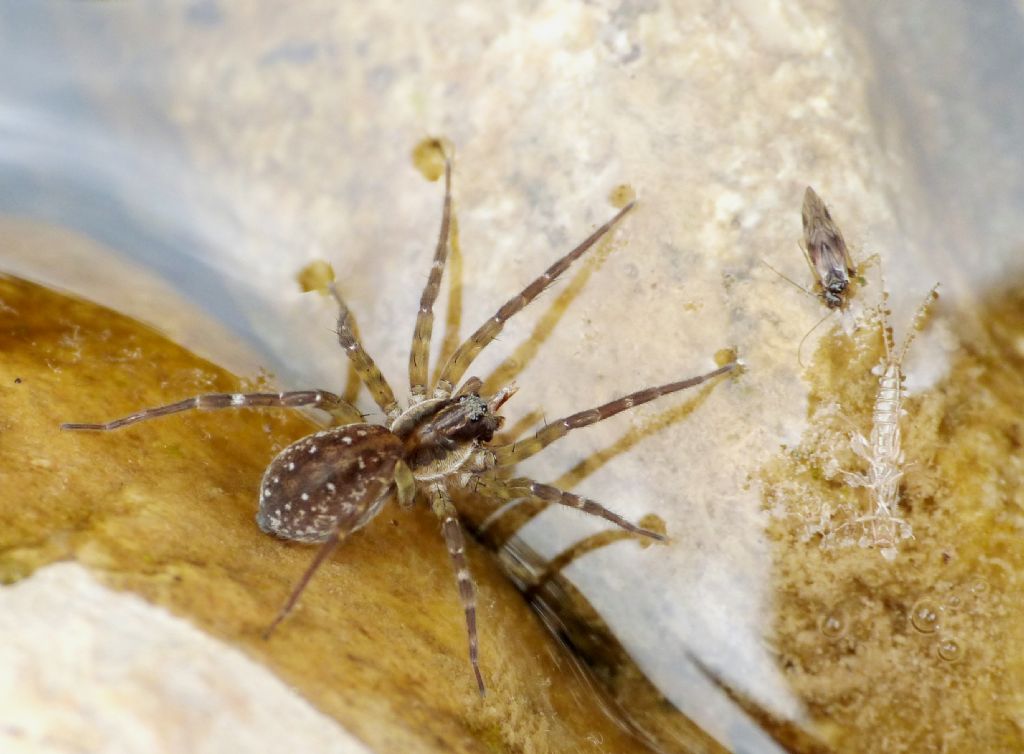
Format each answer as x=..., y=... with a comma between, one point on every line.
x=84, y=145
x=217, y=150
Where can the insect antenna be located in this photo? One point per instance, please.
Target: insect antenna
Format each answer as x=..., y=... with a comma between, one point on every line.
x=788, y=279
x=803, y=340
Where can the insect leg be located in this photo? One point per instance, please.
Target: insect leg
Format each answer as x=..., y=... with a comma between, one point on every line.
x=506, y=455
x=465, y=353
x=525, y=487
x=444, y=509
x=329, y=402
x=329, y=546
x=419, y=353
x=368, y=371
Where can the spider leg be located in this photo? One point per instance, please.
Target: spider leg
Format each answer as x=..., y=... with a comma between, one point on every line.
x=459, y=361
x=368, y=371
x=419, y=353
x=506, y=455
x=328, y=547
x=329, y=402
x=445, y=510
x=526, y=487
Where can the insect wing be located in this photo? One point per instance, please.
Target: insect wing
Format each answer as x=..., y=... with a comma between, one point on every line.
x=331, y=480
x=826, y=249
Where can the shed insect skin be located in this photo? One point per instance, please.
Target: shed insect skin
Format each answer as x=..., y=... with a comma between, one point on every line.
x=882, y=450
x=327, y=485
x=826, y=252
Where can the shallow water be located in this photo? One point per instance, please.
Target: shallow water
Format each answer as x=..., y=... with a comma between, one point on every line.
x=209, y=152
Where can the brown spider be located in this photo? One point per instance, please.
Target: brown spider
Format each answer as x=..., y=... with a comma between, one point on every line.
x=327, y=485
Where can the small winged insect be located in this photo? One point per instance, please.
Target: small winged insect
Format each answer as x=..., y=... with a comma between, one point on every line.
x=882, y=450
x=828, y=257
x=327, y=485
x=826, y=252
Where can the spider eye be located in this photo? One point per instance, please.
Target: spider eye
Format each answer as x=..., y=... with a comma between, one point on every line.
x=477, y=408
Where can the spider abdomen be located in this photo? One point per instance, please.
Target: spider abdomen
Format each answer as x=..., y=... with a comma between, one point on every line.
x=331, y=480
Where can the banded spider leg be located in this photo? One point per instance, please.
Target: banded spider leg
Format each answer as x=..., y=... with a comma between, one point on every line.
x=342, y=411
x=325, y=486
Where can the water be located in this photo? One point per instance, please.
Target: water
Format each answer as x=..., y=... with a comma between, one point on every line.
x=204, y=153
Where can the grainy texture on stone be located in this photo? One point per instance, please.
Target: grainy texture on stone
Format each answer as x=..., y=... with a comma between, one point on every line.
x=166, y=509
x=85, y=668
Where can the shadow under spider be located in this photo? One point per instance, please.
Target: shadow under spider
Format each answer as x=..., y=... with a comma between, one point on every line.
x=594, y=653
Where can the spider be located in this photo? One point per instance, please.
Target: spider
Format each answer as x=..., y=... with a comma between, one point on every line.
x=323, y=487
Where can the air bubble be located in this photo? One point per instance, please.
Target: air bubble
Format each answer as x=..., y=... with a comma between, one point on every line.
x=833, y=624
x=925, y=617
x=950, y=650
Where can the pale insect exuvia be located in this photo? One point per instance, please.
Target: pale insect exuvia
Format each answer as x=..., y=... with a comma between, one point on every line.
x=883, y=527
x=327, y=485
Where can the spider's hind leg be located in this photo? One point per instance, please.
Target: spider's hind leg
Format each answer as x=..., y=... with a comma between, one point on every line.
x=326, y=549
x=340, y=409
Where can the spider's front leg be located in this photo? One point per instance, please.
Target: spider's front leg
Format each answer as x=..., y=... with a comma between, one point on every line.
x=513, y=453
x=464, y=355
x=419, y=352
x=365, y=366
x=341, y=410
x=521, y=487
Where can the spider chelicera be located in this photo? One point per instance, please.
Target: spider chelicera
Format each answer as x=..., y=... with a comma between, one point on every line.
x=327, y=485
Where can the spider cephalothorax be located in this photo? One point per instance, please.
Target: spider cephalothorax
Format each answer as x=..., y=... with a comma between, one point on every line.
x=327, y=485
x=464, y=418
